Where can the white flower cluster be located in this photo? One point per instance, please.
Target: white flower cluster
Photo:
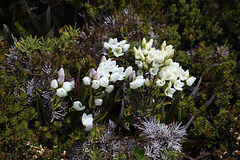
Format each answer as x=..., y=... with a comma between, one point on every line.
x=107, y=72
x=65, y=86
x=117, y=48
x=158, y=64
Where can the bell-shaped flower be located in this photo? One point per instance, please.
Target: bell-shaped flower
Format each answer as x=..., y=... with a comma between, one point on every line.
x=160, y=82
x=109, y=88
x=190, y=80
x=169, y=92
x=122, y=43
x=67, y=86
x=184, y=74
x=113, y=42
x=178, y=85
x=153, y=71
x=87, y=121
x=78, y=106
x=61, y=75
x=128, y=71
x=54, y=84
x=61, y=92
x=95, y=84
x=98, y=102
x=117, y=51
x=137, y=83
x=103, y=81
x=139, y=64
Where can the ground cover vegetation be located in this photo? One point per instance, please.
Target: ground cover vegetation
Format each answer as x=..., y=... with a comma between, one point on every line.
x=108, y=79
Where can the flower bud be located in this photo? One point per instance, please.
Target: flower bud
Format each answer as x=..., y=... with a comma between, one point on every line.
x=86, y=81
x=54, y=84
x=95, y=84
x=98, y=102
x=190, y=80
x=67, y=86
x=109, y=88
x=61, y=92
x=61, y=75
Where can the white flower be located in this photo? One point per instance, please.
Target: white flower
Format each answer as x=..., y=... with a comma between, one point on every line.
x=113, y=42
x=104, y=81
x=178, y=85
x=128, y=71
x=149, y=60
x=109, y=88
x=126, y=47
x=190, y=80
x=61, y=92
x=106, y=45
x=95, y=84
x=78, y=106
x=117, y=51
x=169, y=92
x=160, y=83
x=54, y=84
x=86, y=81
x=137, y=83
x=184, y=74
x=61, y=75
x=98, y=102
x=139, y=64
x=153, y=71
x=67, y=86
x=87, y=121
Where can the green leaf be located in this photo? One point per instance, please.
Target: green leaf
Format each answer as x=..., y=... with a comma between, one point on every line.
x=172, y=110
x=42, y=115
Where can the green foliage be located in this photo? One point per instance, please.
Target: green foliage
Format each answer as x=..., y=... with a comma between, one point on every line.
x=139, y=153
x=171, y=155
